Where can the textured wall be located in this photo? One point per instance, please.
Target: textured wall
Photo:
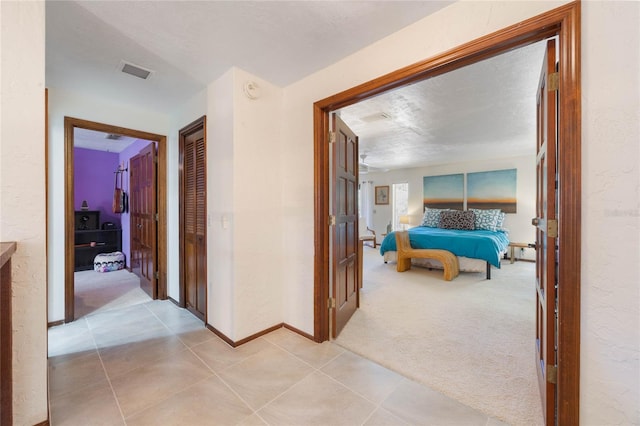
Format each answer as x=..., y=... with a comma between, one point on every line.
x=22, y=203
x=610, y=338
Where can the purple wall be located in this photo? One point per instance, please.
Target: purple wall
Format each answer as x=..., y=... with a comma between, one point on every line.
x=123, y=159
x=94, y=180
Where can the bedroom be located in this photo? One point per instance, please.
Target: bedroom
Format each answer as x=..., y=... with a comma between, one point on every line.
x=387, y=128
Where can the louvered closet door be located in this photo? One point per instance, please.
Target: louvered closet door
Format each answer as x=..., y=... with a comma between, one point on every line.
x=194, y=201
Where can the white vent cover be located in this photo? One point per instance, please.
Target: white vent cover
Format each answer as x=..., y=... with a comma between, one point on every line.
x=376, y=117
x=135, y=70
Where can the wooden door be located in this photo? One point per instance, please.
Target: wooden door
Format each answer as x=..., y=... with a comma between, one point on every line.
x=143, y=217
x=134, y=215
x=344, y=288
x=193, y=214
x=546, y=224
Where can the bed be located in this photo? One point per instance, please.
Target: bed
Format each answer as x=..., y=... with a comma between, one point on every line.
x=476, y=249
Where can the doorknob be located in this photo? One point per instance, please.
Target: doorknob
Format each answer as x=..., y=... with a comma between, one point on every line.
x=535, y=221
x=139, y=226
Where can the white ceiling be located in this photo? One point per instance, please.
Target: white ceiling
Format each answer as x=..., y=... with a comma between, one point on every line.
x=100, y=141
x=188, y=44
x=485, y=110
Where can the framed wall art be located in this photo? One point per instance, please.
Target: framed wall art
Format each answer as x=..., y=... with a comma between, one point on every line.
x=382, y=194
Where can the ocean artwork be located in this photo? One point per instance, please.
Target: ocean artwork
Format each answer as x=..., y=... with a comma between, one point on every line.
x=444, y=192
x=492, y=190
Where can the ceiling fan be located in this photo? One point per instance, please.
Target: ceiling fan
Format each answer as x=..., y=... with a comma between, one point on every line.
x=364, y=168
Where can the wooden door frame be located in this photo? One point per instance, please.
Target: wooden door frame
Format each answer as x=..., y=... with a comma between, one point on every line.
x=182, y=134
x=564, y=22
x=70, y=124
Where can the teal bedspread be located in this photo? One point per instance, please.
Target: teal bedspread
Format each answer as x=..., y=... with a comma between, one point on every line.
x=477, y=244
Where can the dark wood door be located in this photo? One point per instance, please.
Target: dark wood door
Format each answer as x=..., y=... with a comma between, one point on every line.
x=345, y=287
x=546, y=224
x=193, y=213
x=143, y=217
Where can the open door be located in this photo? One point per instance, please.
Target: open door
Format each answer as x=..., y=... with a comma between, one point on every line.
x=345, y=293
x=143, y=216
x=546, y=224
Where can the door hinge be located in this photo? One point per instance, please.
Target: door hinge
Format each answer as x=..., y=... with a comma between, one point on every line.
x=552, y=228
x=157, y=217
x=332, y=137
x=552, y=82
x=156, y=275
x=331, y=303
x=552, y=374
x=332, y=220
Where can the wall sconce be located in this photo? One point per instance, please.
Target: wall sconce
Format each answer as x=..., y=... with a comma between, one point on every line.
x=404, y=221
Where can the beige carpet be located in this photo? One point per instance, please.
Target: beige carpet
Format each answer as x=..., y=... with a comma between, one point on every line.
x=469, y=338
x=100, y=291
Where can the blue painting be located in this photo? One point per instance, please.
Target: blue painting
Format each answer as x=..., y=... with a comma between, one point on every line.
x=444, y=192
x=492, y=190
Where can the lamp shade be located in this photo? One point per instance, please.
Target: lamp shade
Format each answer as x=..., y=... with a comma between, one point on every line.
x=404, y=220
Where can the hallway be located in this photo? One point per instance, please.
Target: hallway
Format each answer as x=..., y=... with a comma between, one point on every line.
x=153, y=363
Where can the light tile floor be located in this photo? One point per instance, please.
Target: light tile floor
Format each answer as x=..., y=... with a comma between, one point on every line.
x=155, y=364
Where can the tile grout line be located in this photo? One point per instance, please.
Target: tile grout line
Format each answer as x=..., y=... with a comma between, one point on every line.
x=224, y=382
x=115, y=397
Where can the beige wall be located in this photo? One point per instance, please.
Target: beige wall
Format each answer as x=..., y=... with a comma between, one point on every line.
x=610, y=335
x=22, y=200
x=245, y=221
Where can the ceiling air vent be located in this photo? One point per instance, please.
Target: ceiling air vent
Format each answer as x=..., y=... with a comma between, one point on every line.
x=135, y=70
x=376, y=117
x=113, y=137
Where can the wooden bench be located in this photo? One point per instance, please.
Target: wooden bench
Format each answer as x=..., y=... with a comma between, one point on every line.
x=406, y=253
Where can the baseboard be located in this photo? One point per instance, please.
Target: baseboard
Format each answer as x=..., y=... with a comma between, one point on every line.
x=300, y=332
x=235, y=344
x=175, y=302
x=55, y=323
x=43, y=423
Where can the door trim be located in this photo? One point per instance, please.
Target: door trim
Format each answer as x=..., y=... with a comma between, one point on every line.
x=70, y=124
x=563, y=22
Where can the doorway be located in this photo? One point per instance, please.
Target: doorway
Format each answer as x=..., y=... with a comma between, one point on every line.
x=70, y=125
x=563, y=22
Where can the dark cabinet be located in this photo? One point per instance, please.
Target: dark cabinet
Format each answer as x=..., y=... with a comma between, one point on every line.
x=89, y=243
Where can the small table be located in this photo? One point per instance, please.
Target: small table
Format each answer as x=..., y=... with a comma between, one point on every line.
x=512, y=246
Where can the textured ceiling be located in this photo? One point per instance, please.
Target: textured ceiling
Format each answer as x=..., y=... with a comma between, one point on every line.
x=100, y=141
x=483, y=110
x=188, y=44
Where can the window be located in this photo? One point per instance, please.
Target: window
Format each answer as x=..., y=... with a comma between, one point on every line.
x=400, y=200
